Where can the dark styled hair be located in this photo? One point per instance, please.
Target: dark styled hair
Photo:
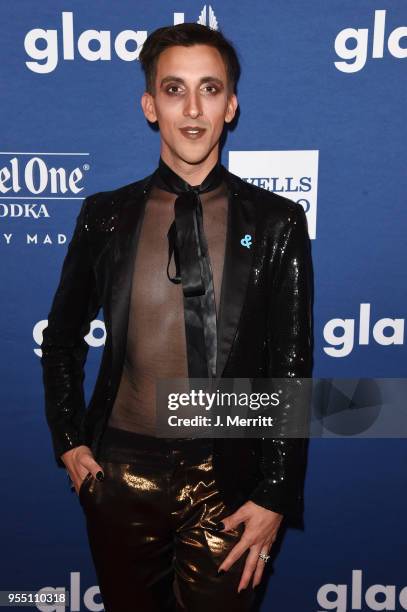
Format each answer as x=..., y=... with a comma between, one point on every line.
x=187, y=35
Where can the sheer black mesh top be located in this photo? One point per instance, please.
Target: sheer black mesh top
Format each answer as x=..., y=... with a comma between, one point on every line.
x=156, y=345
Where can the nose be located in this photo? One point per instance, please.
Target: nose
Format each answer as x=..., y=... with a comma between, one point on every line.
x=193, y=106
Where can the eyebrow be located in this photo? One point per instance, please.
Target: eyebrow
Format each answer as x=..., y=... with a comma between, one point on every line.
x=204, y=79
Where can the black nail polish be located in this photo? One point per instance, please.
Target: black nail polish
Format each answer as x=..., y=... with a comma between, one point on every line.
x=222, y=571
x=100, y=475
x=219, y=526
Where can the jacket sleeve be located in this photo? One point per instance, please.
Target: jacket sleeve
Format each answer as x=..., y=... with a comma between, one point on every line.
x=290, y=342
x=64, y=349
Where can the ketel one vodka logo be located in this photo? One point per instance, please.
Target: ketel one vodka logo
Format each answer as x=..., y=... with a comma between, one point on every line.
x=34, y=176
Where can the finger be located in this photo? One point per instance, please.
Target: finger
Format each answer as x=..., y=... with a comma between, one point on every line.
x=260, y=568
x=258, y=573
x=234, y=555
x=249, y=567
x=93, y=467
x=85, y=473
x=232, y=521
x=97, y=470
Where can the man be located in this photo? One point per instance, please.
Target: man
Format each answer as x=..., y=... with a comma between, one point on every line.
x=182, y=295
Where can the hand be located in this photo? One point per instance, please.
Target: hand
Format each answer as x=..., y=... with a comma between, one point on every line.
x=79, y=461
x=261, y=527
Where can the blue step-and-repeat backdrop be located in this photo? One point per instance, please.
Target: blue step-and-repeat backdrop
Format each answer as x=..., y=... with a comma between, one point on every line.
x=323, y=98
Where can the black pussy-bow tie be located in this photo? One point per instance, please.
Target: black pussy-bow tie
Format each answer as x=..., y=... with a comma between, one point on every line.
x=186, y=240
x=185, y=236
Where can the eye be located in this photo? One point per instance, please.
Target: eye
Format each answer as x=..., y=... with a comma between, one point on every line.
x=175, y=89
x=212, y=87
x=172, y=87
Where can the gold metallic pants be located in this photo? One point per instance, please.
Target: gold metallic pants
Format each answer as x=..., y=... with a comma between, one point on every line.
x=150, y=526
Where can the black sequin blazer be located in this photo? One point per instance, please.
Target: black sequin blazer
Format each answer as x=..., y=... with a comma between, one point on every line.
x=265, y=328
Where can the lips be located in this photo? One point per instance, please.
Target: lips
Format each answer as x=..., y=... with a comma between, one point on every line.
x=193, y=133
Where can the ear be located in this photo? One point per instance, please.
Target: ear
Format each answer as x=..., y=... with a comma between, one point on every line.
x=231, y=108
x=147, y=104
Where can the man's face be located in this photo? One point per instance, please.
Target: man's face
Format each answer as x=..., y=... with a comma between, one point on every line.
x=190, y=91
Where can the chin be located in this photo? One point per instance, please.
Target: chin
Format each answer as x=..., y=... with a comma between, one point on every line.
x=196, y=157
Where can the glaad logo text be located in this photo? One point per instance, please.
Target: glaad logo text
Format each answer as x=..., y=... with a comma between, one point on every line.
x=46, y=58
x=376, y=596
x=95, y=338
x=354, y=57
x=342, y=344
x=79, y=599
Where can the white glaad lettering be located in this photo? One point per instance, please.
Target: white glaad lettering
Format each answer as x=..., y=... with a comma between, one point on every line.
x=354, y=58
x=95, y=338
x=340, y=333
x=344, y=597
x=44, y=59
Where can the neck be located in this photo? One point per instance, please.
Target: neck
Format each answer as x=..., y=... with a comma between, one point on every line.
x=193, y=174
